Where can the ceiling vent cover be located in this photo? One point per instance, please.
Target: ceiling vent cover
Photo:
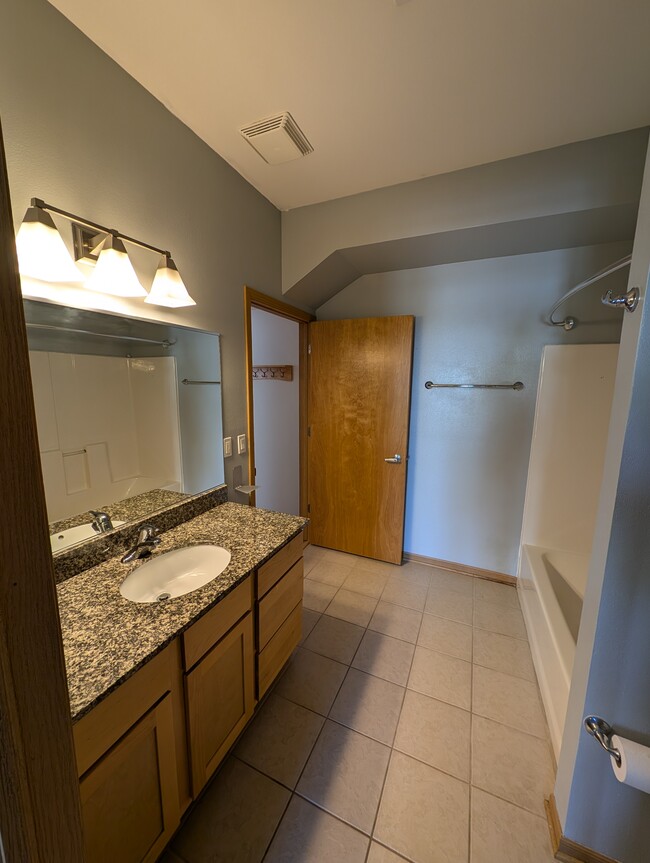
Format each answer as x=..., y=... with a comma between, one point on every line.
x=277, y=139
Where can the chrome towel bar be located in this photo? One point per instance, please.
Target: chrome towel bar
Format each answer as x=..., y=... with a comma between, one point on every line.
x=518, y=385
x=199, y=383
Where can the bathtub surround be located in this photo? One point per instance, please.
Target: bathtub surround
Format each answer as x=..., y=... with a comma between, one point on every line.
x=572, y=415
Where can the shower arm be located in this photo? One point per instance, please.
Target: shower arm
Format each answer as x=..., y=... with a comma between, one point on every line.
x=569, y=323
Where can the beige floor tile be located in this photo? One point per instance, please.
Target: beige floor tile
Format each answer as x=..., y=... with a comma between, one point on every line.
x=383, y=656
x=368, y=705
x=309, y=620
x=424, y=814
x=368, y=583
x=316, y=595
x=235, y=819
x=311, y=556
x=311, y=680
x=509, y=700
x=396, y=621
x=503, y=653
x=446, y=678
x=507, y=834
x=511, y=764
x=446, y=636
x=436, y=733
x=335, y=638
x=417, y=573
x=345, y=775
x=400, y=591
x=442, y=579
x=353, y=607
x=498, y=594
x=503, y=619
x=280, y=738
x=328, y=572
x=371, y=565
x=379, y=854
x=309, y=835
x=451, y=604
x=341, y=557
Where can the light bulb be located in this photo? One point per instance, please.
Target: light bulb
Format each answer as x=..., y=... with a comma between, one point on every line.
x=42, y=254
x=114, y=273
x=168, y=288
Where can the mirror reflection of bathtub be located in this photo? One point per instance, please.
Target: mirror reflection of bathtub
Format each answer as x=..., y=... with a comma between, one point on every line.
x=565, y=472
x=118, y=430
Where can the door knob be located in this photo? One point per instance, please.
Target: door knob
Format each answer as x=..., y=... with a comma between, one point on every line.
x=396, y=459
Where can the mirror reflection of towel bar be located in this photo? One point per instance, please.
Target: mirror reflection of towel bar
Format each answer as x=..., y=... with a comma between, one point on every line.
x=518, y=385
x=74, y=452
x=199, y=383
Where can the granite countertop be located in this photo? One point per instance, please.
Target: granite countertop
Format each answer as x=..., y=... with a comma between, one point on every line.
x=106, y=637
x=126, y=510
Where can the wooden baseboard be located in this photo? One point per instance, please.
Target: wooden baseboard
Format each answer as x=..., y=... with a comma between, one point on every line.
x=461, y=568
x=566, y=850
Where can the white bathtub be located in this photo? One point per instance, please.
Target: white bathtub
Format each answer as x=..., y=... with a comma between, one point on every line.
x=551, y=589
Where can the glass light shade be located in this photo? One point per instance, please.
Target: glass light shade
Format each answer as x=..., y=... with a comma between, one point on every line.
x=42, y=254
x=114, y=273
x=168, y=288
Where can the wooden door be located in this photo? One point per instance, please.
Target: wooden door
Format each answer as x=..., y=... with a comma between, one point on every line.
x=359, y=401
x=130, y=797
x=220, y=700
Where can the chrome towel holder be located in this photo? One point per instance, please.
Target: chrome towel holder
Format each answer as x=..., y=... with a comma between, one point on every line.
x=603, y=732
x=518, y=385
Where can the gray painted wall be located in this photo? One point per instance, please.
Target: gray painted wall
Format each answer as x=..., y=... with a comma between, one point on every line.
x=602, y=172
x=481, y=322
x=82, y=134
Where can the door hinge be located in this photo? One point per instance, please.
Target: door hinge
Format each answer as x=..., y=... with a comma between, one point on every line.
x=308, y=349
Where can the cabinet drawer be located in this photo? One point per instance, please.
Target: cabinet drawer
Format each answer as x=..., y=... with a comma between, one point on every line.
x=279, y=649
x=279, y=602
x=205, y=633
x=129, y=799
x=273, y=570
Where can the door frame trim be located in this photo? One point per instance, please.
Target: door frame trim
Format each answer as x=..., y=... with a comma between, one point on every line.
x=40, y=811
x=256, y=299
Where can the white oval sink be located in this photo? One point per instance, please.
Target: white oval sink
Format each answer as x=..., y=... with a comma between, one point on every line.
x=175, y=573
x=73, y=535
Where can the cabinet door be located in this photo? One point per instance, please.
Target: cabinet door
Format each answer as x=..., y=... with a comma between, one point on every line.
x=129, y=798
x=220, y=700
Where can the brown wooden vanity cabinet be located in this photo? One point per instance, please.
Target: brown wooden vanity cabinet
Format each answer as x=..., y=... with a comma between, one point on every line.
x=147, y=749
x=128, y=762
x=279, y=589
x=219, y=683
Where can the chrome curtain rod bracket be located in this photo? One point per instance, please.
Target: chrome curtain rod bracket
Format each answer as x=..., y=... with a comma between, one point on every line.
x=518, y=385
x=164, y=343
x=570, y=323
x=199, y=383
x=629, y=301
x=603, y=732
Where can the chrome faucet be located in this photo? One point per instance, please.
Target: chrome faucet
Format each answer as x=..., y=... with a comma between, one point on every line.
x=147, y=541
x=101, y=521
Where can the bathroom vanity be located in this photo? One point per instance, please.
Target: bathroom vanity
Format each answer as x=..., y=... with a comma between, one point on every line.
x=160, y=692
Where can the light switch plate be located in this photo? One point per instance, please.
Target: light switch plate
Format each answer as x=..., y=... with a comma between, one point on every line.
x=241, y=443
x=227, y=447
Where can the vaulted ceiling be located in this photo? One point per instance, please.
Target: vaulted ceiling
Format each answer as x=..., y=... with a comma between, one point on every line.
x=386, y=91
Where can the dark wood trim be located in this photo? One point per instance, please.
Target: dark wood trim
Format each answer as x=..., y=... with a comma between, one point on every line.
x=255, y=299
x=40, y=816
x=463, y=569
x=566, y=850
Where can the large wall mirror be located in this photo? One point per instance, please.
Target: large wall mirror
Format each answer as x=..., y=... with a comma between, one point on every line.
x=129, y=416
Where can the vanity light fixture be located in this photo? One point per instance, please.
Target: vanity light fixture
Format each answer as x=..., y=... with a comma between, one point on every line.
x=113, y=271
x=168, y=288
x=42, y=254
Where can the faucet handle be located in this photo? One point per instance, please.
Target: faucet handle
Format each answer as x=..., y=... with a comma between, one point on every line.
x=149, y=533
